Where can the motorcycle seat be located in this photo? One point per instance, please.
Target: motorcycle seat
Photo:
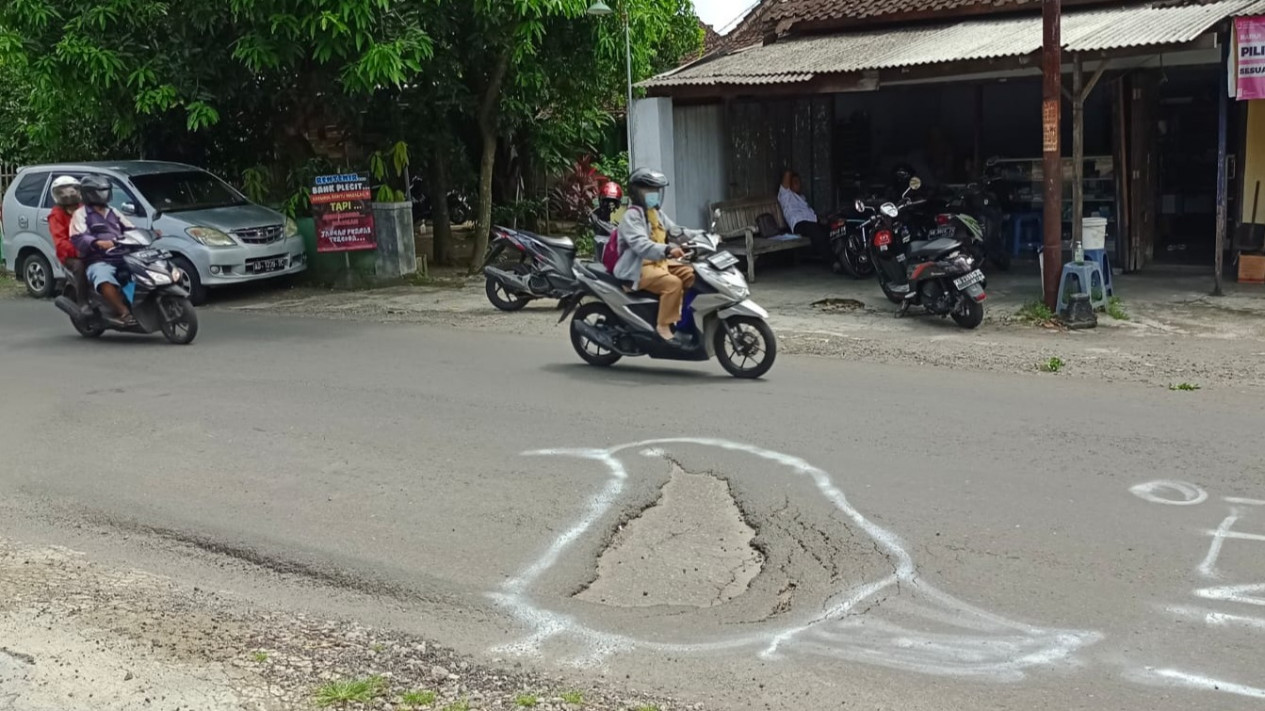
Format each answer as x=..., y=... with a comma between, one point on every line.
x=932, y=248
x=599, y=272
x=560, y=242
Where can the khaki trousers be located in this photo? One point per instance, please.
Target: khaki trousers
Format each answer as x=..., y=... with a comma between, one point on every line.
x=668, y=280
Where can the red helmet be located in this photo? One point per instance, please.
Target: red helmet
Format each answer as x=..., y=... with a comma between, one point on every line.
x=612, y=191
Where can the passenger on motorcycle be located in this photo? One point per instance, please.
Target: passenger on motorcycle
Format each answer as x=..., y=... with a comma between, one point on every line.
x=609, y=201
x=646, y=259
x=94, y=228
x=65, y=192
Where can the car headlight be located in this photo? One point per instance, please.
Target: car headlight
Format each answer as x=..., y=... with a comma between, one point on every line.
x=211, y=237
x=292, y=227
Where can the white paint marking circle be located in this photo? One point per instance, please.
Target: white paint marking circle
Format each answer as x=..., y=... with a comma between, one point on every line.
x=1172, y=493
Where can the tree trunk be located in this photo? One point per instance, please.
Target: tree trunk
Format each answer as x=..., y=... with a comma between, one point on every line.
x=439, y=205
x=488, y=114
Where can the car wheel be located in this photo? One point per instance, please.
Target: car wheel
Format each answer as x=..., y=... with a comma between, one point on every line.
x=190, y=281
x=37, y=276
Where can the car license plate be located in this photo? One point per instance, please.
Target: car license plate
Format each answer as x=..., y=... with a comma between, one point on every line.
x=971, y=279
x=264, y=266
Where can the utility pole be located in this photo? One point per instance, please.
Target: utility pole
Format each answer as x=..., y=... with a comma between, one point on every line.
x=1051, y=113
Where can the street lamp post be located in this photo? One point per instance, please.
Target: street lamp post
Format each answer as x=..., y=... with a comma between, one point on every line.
x=600, y=9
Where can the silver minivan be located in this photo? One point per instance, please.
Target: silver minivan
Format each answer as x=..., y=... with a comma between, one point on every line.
x=217, y=236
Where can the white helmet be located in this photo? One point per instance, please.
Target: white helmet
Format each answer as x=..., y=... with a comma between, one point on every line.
x=65, y=191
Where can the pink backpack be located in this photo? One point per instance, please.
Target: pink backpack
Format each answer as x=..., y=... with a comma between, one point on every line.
x=610, y=255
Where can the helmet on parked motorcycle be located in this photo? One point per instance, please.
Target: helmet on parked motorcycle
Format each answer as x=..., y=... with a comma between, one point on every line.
x=96, y=190
x=65, y=190
x=645, y=188
x=612, y=191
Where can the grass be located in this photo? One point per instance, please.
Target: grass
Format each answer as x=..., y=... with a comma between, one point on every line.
x=1115, y=309
x=572, y=697
x=10, y=286
x=1035, y=312
x=526, y=701
x=647, y=708
x=1053, y=365
x=352, y=691
x=461, y=705
x=418, y=698
x=259, y=656
x=1184, y=387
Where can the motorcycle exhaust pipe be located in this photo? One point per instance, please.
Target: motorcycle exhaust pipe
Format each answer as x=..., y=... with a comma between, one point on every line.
x=511, y=281
x=68, y=306
x=595, y=335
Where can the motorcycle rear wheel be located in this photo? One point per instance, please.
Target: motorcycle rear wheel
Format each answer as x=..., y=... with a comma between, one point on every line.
x=892, y=296
x=88, y=328
x=503, y=298
x=594, y=313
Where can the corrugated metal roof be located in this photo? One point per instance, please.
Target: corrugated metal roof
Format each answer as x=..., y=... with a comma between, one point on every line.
x=799, y=60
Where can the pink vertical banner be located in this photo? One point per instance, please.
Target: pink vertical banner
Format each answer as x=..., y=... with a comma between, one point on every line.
x=1249, y=35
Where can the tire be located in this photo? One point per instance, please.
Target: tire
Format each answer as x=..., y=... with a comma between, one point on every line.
x=970, y=316
x=88, y=329
x=37, y=276
x=192, y=283
x=723, y=345
x=188, y=318
x=600, y=357
x=501, y=298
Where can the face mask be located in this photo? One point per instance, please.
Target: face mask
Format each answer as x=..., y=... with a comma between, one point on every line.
x=653, y=200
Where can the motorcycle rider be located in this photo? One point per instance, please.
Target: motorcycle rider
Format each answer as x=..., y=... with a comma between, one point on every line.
x=65, y=192
x=648, y=261
x=94, y=228
x=609, y=200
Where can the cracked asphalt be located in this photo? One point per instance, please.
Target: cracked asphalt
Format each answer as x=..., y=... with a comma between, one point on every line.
x=931, y=539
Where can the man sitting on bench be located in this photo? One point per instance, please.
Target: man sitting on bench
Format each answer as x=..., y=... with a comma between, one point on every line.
x=800, y=217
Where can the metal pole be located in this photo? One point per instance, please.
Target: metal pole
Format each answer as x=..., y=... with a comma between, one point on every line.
x=1051, y=113
x=1222, y=188
x=1078, y=153
x=632, y=162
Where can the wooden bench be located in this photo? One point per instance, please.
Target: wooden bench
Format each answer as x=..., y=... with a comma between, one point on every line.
x=736, y=219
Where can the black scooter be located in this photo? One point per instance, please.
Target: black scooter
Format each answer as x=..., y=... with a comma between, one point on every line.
x=150, y=283
x=939, y=275
x=523, y=266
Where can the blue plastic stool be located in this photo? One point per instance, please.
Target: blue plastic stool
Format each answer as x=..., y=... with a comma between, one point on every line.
x=1019, y=236
x=1088, y=276
x=1100, y=257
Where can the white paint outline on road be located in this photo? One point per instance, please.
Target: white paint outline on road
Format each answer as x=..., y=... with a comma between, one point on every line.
x=1219, y=619
x=1199, y=682
x=1208, y=568
x=1243, y=501
x=1236, y=593
x=1150, y=491
x=1001, y=649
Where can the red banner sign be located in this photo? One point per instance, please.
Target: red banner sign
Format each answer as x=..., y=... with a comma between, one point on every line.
x=341, y=210
x=1249, y=54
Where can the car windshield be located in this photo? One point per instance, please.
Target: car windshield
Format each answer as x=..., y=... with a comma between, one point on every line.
x=190, y=190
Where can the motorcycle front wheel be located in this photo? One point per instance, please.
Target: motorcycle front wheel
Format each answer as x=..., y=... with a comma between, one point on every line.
x=970, y=315
x=594, y=314
x=180, y=321
x=751, y=349
x=892, y=296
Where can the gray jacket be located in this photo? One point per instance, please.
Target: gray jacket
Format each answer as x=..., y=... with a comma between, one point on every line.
x=636, y=247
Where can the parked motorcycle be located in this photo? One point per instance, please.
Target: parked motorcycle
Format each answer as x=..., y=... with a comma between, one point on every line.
x=847, y=244
x=523, y=266
x=939, y=275
x=718, y=320
x=973, y=216
x=151, y=284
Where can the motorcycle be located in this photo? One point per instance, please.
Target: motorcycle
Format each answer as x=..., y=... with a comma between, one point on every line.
x=718, y=320
x=151, y=285
x=538, y=267
x=848, y=246
x=939, y=275
x=973, y=216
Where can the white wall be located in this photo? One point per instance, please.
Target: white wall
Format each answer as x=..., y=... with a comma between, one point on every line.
x=653, y=143
x=699, y=162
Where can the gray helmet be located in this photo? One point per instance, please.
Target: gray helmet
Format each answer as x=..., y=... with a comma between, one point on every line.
x=96, y=190
x=645, y=180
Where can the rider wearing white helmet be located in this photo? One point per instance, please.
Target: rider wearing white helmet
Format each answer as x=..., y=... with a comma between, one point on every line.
x=66, y=199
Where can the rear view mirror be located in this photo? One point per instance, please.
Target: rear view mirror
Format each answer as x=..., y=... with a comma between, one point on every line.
x=915, y=183
x=129, y=209
x=860, y=206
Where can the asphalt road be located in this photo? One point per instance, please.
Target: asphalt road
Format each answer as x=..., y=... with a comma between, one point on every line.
x=929, y=539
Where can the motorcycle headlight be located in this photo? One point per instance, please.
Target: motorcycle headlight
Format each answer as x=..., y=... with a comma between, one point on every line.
x=292, y=227
x=158, y=278
x=176, y=274
x=211, y=237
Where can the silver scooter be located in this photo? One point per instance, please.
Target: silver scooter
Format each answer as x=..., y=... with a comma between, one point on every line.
x=718, y=319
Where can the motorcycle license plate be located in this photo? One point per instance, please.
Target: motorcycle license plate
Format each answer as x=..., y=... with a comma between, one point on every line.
x=722, y=260
x=971, y=279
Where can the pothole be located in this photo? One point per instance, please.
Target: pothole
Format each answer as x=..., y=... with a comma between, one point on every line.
x=692, y=548
x=838, y=305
